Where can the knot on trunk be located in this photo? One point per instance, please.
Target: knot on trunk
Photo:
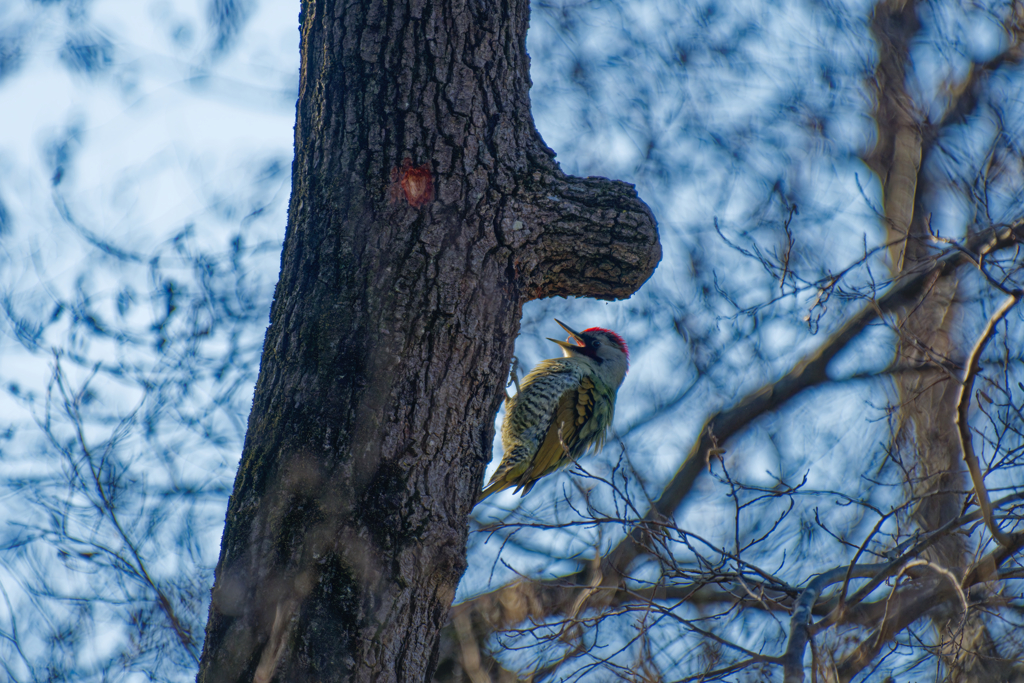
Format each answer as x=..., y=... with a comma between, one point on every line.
x=580, y=237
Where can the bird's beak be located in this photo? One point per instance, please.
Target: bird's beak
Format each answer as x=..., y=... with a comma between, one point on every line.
x=575, y=335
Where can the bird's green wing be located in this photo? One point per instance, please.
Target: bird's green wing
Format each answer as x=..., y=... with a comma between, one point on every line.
x=592, y=432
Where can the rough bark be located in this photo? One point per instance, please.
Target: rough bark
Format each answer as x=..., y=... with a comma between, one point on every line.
x=425, y=211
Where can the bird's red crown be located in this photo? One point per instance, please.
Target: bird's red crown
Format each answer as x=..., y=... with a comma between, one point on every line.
x=614, y=337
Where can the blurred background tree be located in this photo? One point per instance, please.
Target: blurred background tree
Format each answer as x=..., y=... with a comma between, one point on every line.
x=839, y=192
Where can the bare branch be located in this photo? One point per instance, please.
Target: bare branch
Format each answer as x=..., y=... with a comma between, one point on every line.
x=963, y=426
x=809, y=372
x=916, y=602
x=793, y=659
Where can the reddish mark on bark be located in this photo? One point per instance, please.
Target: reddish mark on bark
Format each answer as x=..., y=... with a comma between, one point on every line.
x=415, y=182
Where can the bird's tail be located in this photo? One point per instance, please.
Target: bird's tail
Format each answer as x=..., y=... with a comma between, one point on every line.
x=491, y=489
x=511, y=472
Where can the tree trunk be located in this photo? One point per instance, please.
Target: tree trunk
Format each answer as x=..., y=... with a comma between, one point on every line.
x=926, y=441
x=425, y=211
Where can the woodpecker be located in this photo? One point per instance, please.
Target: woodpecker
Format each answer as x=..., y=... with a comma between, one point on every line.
x=564, y=406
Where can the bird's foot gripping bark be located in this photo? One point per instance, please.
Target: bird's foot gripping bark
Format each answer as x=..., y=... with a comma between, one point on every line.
x=513, y=375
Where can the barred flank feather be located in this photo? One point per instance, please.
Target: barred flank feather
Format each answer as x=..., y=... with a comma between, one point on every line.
x=558, y=415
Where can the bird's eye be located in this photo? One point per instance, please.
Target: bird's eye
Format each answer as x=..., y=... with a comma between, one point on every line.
x=596, y=344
